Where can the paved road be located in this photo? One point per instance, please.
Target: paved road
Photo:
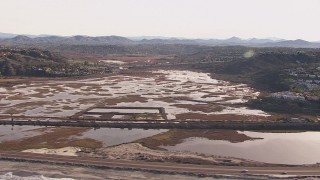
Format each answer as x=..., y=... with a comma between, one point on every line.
x=165, y=167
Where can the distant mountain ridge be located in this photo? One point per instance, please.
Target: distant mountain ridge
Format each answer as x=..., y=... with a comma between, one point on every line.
x=22, y=39
x=12, y=39
x=295, y=43
x=7, y=35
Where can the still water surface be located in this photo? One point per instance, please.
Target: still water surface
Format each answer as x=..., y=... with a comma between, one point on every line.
x=280, y=148
x=115, y=136
x=108, y=136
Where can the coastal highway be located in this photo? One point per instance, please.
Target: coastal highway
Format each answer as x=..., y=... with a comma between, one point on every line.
x=157, y=166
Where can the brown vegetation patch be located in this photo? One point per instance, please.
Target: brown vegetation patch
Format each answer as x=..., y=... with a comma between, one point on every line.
x=19, y=96
x=3, y=104
x=206, y=108
x=67, y=108
x=106, y=116
x=151, y=94
x=177, y=136
x=227, y=99
x=94, y=94
x=33, y=104
x=147, y=116
x=142, y=74
x=57, y=88
x=12, y=81
x=75, y=85
x=162, y=78
x=118, y=93
x=89, y=101
x=187, y=86
x=2, y=97
x=209, y=96
x=93, y=87
x=183, y=92
x=53, y=139
x=54, y=111
x=14, y=111
x=168, y=90
x=165, y=99
x=125, y=99
x=42, y=90
x=38, y=95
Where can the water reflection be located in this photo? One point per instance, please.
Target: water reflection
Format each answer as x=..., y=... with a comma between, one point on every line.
x=115, y=136
x=11, y=133
x=108, y=136
x=280, y=148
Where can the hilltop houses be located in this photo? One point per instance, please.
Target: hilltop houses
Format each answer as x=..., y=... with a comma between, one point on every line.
x=287, y=95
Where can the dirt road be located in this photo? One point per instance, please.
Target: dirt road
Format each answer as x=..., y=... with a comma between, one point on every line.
x=159, y=167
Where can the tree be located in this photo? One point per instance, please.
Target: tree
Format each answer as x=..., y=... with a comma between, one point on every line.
x=21, y=70
x=8, y=69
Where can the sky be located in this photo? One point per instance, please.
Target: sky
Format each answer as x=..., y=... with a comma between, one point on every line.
x=288, y=19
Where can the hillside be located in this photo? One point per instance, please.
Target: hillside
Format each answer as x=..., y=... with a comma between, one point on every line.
x=266, y=71
x=58, y=40
x=50, y=40
x=15, y=61
x=289, y=80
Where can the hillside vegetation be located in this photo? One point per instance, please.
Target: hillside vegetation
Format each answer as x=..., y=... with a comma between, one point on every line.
x=15, y=61
x=266, y=71
x=294, y=75
x=36, y=62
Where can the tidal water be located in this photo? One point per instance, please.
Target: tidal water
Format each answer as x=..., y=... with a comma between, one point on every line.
x=269, y=147
x=280, y=148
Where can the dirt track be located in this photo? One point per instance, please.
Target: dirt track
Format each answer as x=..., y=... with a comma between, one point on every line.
x=159, y=167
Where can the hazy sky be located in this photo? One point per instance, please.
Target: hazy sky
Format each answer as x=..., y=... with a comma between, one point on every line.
x=290, y=19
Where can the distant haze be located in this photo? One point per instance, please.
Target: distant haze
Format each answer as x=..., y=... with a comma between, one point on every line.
x=288, y=19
